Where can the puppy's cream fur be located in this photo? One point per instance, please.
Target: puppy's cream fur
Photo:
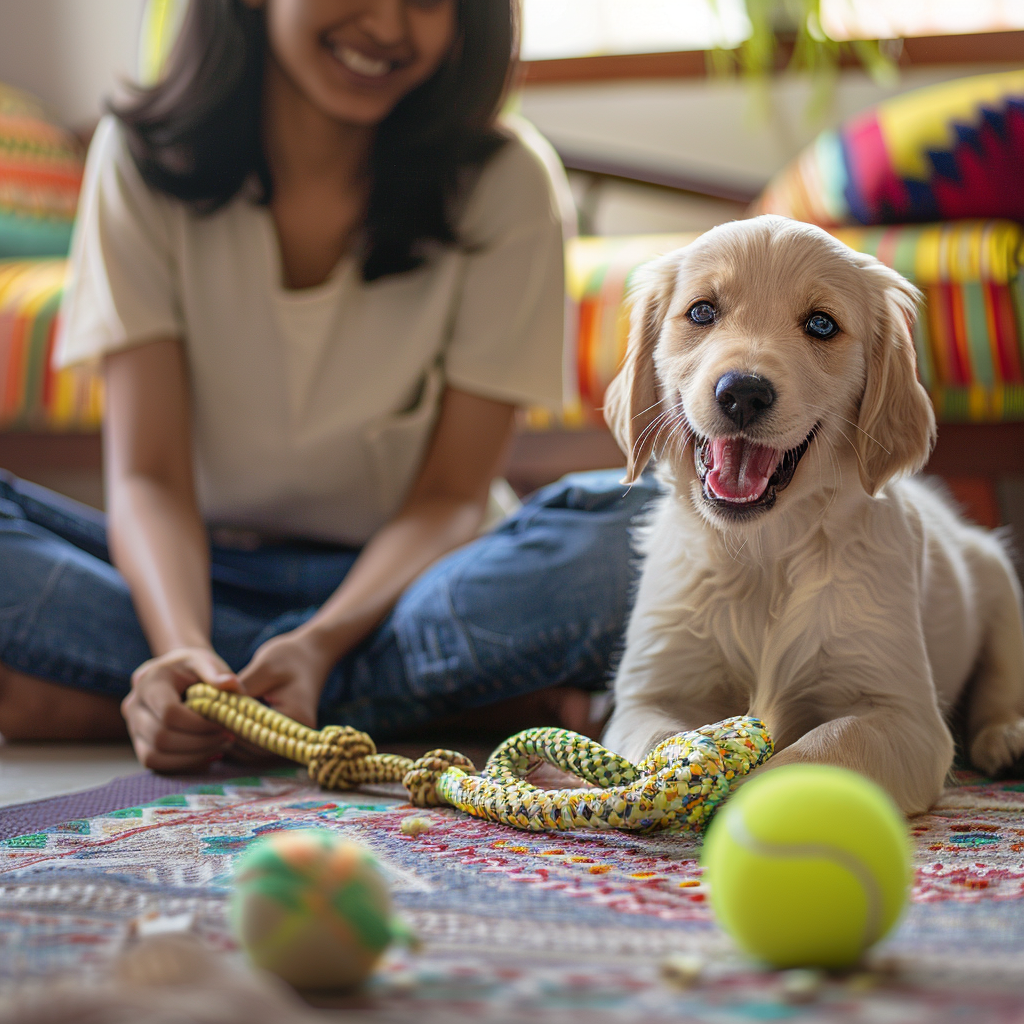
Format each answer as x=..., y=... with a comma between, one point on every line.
x=852, y=614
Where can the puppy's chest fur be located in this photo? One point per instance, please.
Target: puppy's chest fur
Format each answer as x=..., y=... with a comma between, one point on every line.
x=748, y=630
x=765, y=625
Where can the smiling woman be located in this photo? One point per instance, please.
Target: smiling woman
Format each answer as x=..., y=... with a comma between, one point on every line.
x=321, y=274
x=197, y=134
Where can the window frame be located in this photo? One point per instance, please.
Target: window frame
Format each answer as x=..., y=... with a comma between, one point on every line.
x=1005, y=47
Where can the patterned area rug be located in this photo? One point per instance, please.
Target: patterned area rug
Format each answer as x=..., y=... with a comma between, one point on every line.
x=521, y=927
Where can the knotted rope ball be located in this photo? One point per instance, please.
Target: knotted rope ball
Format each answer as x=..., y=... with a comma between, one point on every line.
x=677, y=786
x=313, y=909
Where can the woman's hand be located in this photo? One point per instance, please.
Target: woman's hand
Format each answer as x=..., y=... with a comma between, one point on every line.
x=288, y=672
x=167, y=735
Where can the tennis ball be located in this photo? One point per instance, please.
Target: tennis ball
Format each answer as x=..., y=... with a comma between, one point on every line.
x=312, y=909
x=808, y=866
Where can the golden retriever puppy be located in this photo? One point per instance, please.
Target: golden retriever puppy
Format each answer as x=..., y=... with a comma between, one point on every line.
x=790, y=572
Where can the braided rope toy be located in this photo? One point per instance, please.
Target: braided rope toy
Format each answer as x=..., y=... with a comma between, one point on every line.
x=677, y=786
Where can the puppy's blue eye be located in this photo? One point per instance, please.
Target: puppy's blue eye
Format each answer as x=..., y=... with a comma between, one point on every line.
x=702, y=313
x=819, y=325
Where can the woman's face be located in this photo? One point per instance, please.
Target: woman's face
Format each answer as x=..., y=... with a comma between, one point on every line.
x=355, y=59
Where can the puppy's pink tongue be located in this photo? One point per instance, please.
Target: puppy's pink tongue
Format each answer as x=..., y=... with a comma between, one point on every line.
x=740, y=470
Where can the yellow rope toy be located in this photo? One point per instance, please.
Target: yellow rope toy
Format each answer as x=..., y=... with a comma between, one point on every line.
x=677, y=786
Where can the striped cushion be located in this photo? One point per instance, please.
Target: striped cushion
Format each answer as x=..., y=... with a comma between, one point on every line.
x=599, y=272
x=968, y=335
x=33, y=396
x=40, y=175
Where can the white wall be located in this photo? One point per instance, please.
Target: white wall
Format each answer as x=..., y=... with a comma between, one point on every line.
x=72, y=53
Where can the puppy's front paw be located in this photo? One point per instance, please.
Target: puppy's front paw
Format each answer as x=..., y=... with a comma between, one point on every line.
x=998, y=747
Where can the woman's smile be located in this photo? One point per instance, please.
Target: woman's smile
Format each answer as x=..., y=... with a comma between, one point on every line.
x=360, y=63
x=354, y=60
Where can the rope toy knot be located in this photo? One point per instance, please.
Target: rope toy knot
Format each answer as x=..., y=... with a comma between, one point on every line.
x=338, y=760
x=344, y=741
x=421, y=779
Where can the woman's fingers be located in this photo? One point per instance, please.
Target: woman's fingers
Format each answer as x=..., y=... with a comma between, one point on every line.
x=163, y=749
x=182, y=717
x=258, y=678
x=168, y=740
x=163, y=701
x=280, y=692
x=209, y=668
x=159, y=728
x=168, y=735
x=183, y=720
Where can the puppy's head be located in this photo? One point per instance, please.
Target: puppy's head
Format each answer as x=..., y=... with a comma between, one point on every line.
x=762, y=341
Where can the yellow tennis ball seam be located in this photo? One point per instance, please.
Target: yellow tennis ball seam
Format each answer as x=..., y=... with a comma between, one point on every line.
x=746, y=840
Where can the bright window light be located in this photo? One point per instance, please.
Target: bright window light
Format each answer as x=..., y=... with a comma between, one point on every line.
x=586, y=28
x=884, y=19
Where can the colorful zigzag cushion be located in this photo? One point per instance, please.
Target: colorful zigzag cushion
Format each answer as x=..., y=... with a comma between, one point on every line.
x=41, y=169
x=946, y=152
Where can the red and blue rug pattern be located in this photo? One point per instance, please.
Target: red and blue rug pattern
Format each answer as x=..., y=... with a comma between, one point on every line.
x=518, y=926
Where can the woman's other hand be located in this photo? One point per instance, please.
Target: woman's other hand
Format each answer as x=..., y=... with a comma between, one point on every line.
x=288, y=672
x=167, y=735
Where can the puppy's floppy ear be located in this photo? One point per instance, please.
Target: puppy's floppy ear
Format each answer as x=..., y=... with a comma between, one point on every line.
x=896, y=421
x=632, y=401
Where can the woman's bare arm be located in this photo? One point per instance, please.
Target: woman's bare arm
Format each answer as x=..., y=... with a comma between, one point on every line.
x=158, y=542
x=444, y=510
x=157, y=539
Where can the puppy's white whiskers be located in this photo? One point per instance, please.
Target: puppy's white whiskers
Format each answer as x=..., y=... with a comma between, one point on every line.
x=638, y=443
x=837, y=476
x=856, y=453
x=673, y=424
x=856, y=426
x=643, y=412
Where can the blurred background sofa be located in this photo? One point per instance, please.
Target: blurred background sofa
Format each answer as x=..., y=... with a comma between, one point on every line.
x=928, y=180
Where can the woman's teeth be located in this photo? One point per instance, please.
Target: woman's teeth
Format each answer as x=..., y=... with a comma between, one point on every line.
x=359, y=64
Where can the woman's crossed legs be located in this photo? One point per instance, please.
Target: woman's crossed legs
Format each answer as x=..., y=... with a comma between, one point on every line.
x=539, y=603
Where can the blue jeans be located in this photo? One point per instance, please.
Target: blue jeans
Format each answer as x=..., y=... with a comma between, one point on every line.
x=541, y=601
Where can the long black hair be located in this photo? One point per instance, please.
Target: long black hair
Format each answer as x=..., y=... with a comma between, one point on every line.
x=197, y=134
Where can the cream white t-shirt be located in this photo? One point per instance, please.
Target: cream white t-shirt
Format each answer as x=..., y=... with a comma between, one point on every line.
x=312, y=408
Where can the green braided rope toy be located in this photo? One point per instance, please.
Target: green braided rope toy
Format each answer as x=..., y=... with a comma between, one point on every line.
x=677, y=786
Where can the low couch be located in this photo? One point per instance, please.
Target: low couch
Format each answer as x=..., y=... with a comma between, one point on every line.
x=969, y=335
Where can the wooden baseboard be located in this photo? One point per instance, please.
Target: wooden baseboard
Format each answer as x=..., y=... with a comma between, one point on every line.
x=978, y=449
x=536, y=459
x=24, y=453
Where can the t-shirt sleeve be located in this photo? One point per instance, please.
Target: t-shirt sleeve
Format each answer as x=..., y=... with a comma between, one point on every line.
x=121, y=285
x=508, y=334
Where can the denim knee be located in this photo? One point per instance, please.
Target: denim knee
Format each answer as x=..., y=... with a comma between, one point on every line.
x=83, y=526
x=65, y=615
x=594, y=490
x=541, y=601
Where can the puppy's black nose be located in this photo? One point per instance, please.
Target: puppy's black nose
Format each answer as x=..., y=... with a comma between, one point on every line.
x=743, y=397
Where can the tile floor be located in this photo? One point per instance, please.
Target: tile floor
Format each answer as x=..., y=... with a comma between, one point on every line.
x=35, y=771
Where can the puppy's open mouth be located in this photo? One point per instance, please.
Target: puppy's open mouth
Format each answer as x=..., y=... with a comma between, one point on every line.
x=741, y=477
